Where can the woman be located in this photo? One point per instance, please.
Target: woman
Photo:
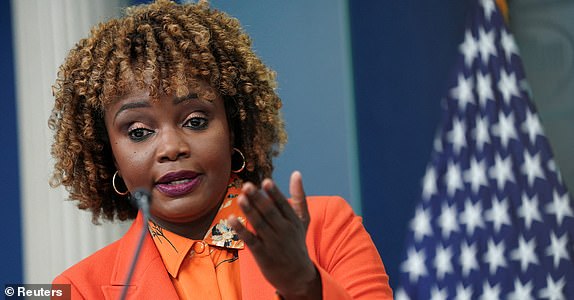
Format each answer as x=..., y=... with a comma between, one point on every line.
x=172, y=99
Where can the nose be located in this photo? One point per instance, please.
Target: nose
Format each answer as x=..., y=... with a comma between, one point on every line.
x=173, y=145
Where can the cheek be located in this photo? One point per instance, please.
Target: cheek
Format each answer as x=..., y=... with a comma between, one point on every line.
x=132, y=164
x=217, y=151
x=218, y=155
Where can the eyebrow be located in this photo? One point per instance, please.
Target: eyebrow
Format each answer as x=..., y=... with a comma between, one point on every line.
x=132, y=105
x=145, y=103
x=190, y=96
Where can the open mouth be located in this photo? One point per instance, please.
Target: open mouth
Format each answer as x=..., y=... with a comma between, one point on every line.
x=181, y=181
x=175, y=184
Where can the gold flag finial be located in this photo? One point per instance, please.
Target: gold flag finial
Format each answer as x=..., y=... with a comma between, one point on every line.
x=503, y=6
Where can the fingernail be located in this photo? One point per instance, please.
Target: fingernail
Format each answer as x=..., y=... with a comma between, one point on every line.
x=267, y=184
x=249, y=189
x=231, y=220
x=243, y=203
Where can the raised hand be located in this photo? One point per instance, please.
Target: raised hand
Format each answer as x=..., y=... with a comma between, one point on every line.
x=278, y=240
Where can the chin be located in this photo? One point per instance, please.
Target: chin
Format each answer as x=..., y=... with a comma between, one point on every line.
x=178, y=211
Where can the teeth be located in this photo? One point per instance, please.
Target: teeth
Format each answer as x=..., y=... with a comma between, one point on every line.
x=176, y=182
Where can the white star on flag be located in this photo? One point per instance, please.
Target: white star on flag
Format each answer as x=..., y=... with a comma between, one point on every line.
x=490, y=292
x=443, y=262
x=421, y=224
x=453, y=178
x=525, y=253
x=502, y=171
x=557, y=249
x=480, y=133
x=447, y=220
x=508, y=86
x=463, y=293
x=429, y=183
x=469, y=48
x=532, y=126
x=471, y=216
x=486, y=45
x=529, y=210
x=560, y=207
x=463, y=92
x=553, y=289
x=521, y=291
x=438, y=294
x=498, y=214
x=531, y=167
x=508, y=44
x=415, y=265
x=489, y=8
x=476, y=175
x=468, y=258
x=505, y=129
x=494, y=256
x=483, y=88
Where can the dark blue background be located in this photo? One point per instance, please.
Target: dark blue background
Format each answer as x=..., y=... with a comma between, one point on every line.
x=11, y=241
x=402, y=54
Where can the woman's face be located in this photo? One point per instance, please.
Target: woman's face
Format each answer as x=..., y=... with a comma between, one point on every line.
x=177, y=148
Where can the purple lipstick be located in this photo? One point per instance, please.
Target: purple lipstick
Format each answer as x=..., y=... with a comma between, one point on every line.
x=175, y=184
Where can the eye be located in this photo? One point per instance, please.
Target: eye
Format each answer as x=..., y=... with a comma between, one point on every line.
x=138, y=134
x=196, y=122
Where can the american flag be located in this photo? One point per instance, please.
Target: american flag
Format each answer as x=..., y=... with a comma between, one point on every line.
x=495, y=220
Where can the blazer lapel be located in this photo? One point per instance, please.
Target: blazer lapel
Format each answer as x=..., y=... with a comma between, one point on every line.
x=253, y=283
x=150, y=279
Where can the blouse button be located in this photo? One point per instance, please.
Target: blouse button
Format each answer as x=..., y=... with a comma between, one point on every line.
x=198, y=247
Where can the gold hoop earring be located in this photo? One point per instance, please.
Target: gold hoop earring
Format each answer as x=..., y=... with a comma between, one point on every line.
x=115, y=188
x=242, y=161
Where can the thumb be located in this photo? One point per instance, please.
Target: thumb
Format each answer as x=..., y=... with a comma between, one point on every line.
x=299, y=200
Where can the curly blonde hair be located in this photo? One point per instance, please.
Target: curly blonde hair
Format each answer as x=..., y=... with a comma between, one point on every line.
x=166, y=48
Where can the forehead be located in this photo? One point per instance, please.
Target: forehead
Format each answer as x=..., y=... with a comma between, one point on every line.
x=146, y=89
x=203, y=94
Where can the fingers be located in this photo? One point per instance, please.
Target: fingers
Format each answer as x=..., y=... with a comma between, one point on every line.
x=247, y=236
x=297, y=192
x=296, y=186
x=277, y=232
x=268, y=210
x=280, y=201
x=259, y=209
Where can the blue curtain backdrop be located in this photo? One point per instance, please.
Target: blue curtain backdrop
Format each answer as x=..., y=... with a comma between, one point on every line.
x=11, y=249
x=402, y=52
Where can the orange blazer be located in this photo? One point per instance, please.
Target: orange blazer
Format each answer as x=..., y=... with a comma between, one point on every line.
x=338, y=244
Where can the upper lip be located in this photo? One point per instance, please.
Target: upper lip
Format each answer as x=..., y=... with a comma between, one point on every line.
x=173, y=176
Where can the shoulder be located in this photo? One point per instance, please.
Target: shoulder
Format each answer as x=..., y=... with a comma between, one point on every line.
x=344, y=252
x=331, y=217
x=327, y=208
x=96, y=268
x=328, y=204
